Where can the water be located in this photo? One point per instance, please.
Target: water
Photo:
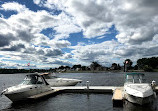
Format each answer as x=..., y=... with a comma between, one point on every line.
x=75, y=101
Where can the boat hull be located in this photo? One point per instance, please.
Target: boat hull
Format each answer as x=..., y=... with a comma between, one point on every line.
x=24, y=95
x=139, y=100
x=21, y=95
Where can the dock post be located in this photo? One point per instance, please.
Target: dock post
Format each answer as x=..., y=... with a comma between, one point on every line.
x=87, y=83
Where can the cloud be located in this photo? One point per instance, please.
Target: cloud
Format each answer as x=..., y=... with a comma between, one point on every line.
x=13, y=6
x=21, y=33
x=66, y=26
x=54, y=52
x=61, y=62
x=5, y=39
x=101, y=52
x=94, y=17
x=51, y=4
x=59, y=43
x=37, y=1
x=109, y=52
x=134, y=20
x=16, y=47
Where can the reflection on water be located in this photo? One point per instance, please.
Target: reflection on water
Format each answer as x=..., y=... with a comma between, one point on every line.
x=128, y=106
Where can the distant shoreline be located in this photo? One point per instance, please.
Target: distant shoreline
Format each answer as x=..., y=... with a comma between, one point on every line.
x=114, y=71
x=101, y=71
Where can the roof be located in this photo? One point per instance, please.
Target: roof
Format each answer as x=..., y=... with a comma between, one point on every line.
x=134, y=73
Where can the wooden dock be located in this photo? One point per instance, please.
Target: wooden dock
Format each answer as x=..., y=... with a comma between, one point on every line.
x=117, y=98
x=84, y=89
x=76, y=89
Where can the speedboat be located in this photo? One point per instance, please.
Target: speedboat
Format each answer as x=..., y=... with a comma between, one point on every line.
x=55, y=81
x=136, y=90
x=33, y=84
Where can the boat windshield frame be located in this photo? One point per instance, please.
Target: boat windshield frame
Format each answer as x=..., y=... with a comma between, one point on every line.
x=32, y=79
x=135, y=78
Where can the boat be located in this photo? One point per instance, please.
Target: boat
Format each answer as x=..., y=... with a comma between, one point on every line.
x=55, y=81
x=137, y=91
x=33, y=84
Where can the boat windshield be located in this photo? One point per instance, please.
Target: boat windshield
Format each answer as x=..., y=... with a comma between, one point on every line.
x=135, y=78
x=49, y=76
x=32, y=79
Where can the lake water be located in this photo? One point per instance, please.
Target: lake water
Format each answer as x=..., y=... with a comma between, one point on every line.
x=75, y=101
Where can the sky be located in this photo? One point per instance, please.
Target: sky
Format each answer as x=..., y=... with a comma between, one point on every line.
x=51, y=33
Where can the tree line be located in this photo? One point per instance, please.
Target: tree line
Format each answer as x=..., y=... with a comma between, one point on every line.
x=12, y=71
x=146, y=64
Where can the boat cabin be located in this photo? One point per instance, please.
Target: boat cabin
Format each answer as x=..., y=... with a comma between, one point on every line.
x=135, y=78
x=49, y=75
x=34, y=79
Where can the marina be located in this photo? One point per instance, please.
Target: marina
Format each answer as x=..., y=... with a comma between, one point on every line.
x=87, y=90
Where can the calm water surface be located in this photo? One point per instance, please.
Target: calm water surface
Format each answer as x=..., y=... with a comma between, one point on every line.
x=75, y=102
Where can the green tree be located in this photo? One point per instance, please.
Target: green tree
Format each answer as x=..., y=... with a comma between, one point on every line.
x=148, y=68
x=148, y=62
x=76, y=66
x=114, y=66
x=94, y=65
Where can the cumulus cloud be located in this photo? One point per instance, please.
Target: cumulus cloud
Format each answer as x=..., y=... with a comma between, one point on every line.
x=6, y=39
x=13, y=6
x=101, y=52
x=59, y=43
x=16, y=47
x=94, y=17
x=67, y=56
x=135, y=21
x=61, y=62
x=21, y=33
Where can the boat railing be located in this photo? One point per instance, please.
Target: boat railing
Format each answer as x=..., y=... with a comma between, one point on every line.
x=135, y=79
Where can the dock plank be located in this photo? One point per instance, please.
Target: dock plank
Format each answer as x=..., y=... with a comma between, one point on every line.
x=118, y=94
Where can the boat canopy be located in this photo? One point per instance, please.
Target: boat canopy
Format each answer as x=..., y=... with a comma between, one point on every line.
x=135, y=78
x=33, y=79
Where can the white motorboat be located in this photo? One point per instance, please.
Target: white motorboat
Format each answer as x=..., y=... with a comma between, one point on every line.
x=136, y=90
x=55, y=81
x=33, y=84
